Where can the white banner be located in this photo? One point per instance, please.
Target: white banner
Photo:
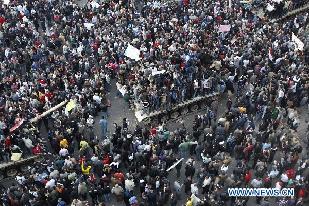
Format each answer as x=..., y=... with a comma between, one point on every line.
x=132, y=52
x=299, y=45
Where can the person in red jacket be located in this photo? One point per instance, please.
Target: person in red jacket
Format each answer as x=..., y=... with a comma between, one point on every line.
x=106, y=159
x=37, y=149
x=248, y=176
x=247, y=151
x=301, y=193
x=290, y=173
x=7, y=142
x=267, y=182
x=186, y=2
x=2, y=20
x=153, y=131
x=119, y=176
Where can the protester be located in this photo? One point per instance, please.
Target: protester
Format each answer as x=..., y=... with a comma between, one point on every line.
x=103, y=125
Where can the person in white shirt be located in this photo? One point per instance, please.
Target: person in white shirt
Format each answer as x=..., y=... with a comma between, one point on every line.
x=256, y=183
x=196, y=88
x=194, y=189
x=94, y=158
x=284, y=178
x=97, y=98
x=28, y=142
x=280, y=95
x=224, y=168
x=90, y=121
x=68, y=163
x=20, y=179
x=279, y=185
x=54, y=174
x=206, y=184
x=205, y=86
x=129, y=184
x=63, y=152
x=50, y=184
x=195, y=199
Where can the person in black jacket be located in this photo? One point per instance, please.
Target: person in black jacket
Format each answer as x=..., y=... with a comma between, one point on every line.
x=189, y=170
x=187, y=185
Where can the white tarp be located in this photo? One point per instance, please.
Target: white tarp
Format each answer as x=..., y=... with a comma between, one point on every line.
x=6, y=2
x=132, y=53
x=299, y=45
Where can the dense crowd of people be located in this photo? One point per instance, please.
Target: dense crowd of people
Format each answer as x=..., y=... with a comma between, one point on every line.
x=178, y=49
x=56, y=51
